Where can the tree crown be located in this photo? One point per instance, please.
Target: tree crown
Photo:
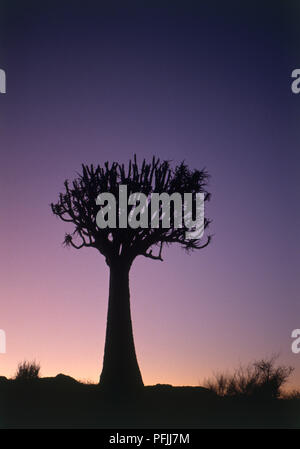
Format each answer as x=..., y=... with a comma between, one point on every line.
x=77, y=205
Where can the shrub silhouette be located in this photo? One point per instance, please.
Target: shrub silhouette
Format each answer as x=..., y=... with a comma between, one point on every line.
x=293, y=395
x=261, y=379
x=28, y=371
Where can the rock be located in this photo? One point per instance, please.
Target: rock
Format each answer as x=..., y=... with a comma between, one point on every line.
x=63, y=378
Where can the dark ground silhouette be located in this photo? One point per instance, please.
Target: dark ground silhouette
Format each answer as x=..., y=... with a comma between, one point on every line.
x=62, y=402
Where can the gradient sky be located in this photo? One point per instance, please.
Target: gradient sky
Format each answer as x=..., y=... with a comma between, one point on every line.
x=206, y=84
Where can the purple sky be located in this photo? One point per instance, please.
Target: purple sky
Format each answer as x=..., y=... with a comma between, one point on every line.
x=205, y=85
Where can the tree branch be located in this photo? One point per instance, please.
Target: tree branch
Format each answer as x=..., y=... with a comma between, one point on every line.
x=152, y=256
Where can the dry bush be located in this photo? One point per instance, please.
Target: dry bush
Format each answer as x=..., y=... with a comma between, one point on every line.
x=28, y=371
x=260, y=379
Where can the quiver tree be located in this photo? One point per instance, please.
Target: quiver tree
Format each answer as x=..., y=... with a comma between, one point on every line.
x=120, y=246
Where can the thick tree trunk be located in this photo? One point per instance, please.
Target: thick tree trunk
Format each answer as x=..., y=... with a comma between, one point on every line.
x=120, y=367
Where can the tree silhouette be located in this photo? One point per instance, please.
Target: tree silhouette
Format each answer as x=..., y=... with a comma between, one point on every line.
x=121, y=246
